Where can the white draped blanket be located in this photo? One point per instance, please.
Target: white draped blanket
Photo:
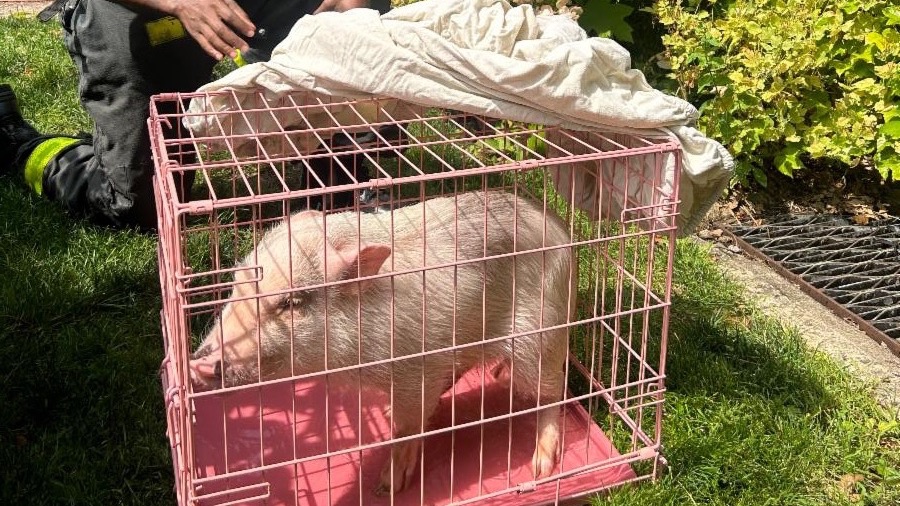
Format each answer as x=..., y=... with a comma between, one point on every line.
x=482, y=57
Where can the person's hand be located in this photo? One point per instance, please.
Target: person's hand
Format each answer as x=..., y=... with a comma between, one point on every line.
x=341, y=5
x=214, y=23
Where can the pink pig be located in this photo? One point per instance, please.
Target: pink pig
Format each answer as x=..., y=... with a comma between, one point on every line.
x=293, y=321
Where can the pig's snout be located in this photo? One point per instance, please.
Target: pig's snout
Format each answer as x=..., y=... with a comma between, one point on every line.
x=205, y=369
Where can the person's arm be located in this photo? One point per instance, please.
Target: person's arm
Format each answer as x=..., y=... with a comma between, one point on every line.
x=212, y=23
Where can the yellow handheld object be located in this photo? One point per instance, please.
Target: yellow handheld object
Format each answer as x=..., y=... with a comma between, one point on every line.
x=164, y=30
x=239, y=58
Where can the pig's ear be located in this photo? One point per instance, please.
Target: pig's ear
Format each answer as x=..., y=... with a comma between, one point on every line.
x=348, y=263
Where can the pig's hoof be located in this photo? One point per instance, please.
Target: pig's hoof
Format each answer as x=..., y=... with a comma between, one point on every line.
x=545, y=456
x=406, y=456
x=382, y=490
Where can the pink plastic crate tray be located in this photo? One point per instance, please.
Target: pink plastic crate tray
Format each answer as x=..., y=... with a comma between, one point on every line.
x=254, y=442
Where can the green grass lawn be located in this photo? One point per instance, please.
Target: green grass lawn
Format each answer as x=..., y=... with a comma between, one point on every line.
x=751, y=416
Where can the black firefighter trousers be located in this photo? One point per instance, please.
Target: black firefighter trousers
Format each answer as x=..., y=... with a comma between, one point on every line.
x=123, y=58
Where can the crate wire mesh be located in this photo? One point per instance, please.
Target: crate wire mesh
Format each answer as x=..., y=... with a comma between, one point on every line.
x=315, y=437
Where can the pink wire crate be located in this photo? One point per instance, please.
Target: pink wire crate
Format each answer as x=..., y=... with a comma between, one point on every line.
x=369, y=303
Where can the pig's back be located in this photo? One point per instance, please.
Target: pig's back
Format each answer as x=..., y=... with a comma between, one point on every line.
x=468, y=226
x=454, y=301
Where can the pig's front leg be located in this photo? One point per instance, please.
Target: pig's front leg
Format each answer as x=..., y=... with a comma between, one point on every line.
x=546, y=383
x=404, y=459
x=410, y=414
x=399, y=470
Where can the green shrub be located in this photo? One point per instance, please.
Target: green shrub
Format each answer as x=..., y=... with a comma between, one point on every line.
x=783, y=82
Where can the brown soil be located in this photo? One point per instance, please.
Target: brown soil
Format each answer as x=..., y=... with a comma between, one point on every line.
x=33, y=7
x=858, y=193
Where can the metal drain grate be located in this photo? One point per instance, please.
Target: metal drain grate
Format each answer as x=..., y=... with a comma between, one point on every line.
x=853, y=269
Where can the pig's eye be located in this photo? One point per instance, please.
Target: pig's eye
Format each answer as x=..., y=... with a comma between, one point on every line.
x=293, y=300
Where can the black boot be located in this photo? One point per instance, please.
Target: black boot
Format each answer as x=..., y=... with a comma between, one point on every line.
x=332, y=174
x=15, y=132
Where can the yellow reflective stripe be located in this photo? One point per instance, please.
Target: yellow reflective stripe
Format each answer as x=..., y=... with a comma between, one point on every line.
x=40, y=157
x=164, y=30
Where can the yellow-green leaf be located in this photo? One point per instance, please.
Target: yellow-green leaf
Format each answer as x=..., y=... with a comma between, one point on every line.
x=891, y=129
x=875, y=39
x=607, y=18
x=789, y=160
